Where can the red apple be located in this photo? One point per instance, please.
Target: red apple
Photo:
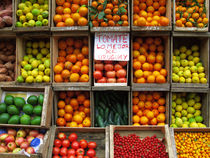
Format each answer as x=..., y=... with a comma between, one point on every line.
x=111, y=80
x=3, y=136
x=2, y=144
x=34, y=133
x=29, y=138
x=41, y=136
x=3, y=149
x=11, y=132
x=61, y=136
x=102, y=80
x=11, y=146
x=121, y=80
x=99, y=67
x=21, y=133
x=110, y=74
x=9, y=138
x=19, y=140
x=108, y=67
x=24, y=145
x=121, y=73
x=30, y=150
x=97, y=75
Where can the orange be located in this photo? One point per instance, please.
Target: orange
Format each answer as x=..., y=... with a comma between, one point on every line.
x=144, y=120
x=60, y=24
x=81, y=98
x=162, y=10
x=156, y=112
x=57, y=18
x=151, y=79
x=135, y=109
x=78, y=63
x=87, y=110
x=148, y=104
x=61, y=112
x=74, y=102
x=70, y=93
x=67, y=11
x=62, y=44
x=153, y=121
x=162, y=2
x=150, y=9
x=61, y=104
x=160, y=48
x=61, y=122
x=62, y=95
x=81, y=113
x=164, y=21
x=74, y=77
x=142, y=59
x=141, y=80
x=69, y=22
x=161, y=101
x=159, y=58
x=86, y=103
x=135, y=94
x=151, y=59
x=75, y=69
x=84, y=69
x=77, y=118
x=156, y=5
x=145, y=67
x=135, y=100
x=86, y=123
x=146, y=74
x=73, y=124
x=161, y=109
x=61, y=59
x=156, y=73
x=150, y=115
x=142, y=6
x=65, y=74
x=85, y=50
x=156, y=95
x=161, y=118
x=136, y=119
x=82, y=21
x=155, y=105
x=58, y=78
x=137, y=65
x=74, y=8
x=140, y=113
x=157, y=66
x=160, y=79
x=142, y=97
x=58, y=69
x=75, y=16
x=68, y=65
x=68, y=117
x=68, y=109
x=141, y=21
x=84, y=78
x=59, y=10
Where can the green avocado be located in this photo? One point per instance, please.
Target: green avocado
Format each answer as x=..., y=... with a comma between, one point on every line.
x=36, y=120
x=19, y=102
x=13, y=110
x=41, y=99
x=4, y=118
x=3, y=108
x=9, y=100
x=33, y=100
x=15, y=119
x=25, y=119
x=37, y=110
x=28, y=109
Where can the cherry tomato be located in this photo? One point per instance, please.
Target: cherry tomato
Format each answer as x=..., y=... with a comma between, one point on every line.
x=80, y=156
x=71, y=152
x=71, y=156
x=66, y=143
x=86, y=156
x=57, y=143
x=61, y=136
x=80, y=151
x=56, y=156
x=64, y=157
x=72, y=137
x=56, y=150
x=63, y=151
x=92, y=145
x=75, y=145
x=83, y=143
x=91, y=152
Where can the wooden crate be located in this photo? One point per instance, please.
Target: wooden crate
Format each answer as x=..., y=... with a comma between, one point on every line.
x=177, y=130
x=189, y=29
x=93, y=108
x=167, y=96
x=56, y=98
x=9, y=29
x=20, y=51
x=154, y=28
x=30, y=29
x=10, y=38
x=204, y=109
x=46, y=108
x=203, y=44
x=143, y=131
x=153, y=86
x=67, y=28
x=54, y=47
x=98, y=135
x=115, y=28
x=42, y=152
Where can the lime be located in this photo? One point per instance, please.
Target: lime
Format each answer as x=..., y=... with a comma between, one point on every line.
x=25, y=119
x=4, y=117
x=33, y=100
x=19, y=102
x=23, y=63
x=31, y=23
x=35, y=12
x=37, y=110
x=45, y=14
x=31, y=60
x=3, y=108
x=28, y=109
x=41, y=1
x=19, y=24
x=199, y=119
x=38, y=23
x=46, y=7
x=25, y=24
x=41, y=99
x=27, y=67
x=20, y=79
x=13, y=110
x=28, y=3
x=9, y=100
x=47, y=63
x=45, y=22
x=39, y=17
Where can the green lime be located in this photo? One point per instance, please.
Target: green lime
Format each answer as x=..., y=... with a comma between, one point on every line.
x=19, y=24
x=20, y=79
x=25, y=119
x=35, y=12
x=15, y=119
x=45, y=14
x=33, y=100
x=38, y=23
x=13, y=110
x=41, y=99
x=19, y=102
x=28, y=109
x=40, y=18
x=36, y=120
x=27, y=67
x=3, y=108
x=199, y=119
x=37, y=110
x=45, y=22
x=4, y=117
x=9, y=100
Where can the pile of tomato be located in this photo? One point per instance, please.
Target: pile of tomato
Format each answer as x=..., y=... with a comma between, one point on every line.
x=132, y=146
x=69, y=147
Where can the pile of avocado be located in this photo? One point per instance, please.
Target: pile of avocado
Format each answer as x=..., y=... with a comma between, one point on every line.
x=15, y=110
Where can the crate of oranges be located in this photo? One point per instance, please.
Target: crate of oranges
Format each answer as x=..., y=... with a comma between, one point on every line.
x=109, y=15
x=153, y=15
x=150, y=62
x=71, y=60
x=72, y=108
x=69, y=15
x=191, y=15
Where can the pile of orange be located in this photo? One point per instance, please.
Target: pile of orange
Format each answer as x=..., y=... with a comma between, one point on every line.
x=73, y=109
x=71, y=13
x=150, y=13
x=148, y=60
x=191, y=13
x=148, y=108
x=72, y=62
x=112, y=13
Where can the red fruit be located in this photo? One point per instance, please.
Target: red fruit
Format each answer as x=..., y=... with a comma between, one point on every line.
x=40, y=136
x=56, y=156
x=34, y=133
x=61, y=136
x=57, y=143
x=92, y=145
x=121, y=80
x=80, y=151
x=117, y=67
x=97, y=75
x=123, y=63
x=83, y=143
x=11, y=146
x=91, y=152
x=110, y=74
x=71, y=156
x=75, y=145
x=9, y=138
x=64, y=157
x=24, y=145
x=121, y=73
x=63, y=151
x=108, y=62
x=80, y=156
x=71, y=152
x=66, y=143
x=72, y=137
x=86, y=156
x=30, y=150
x=102, y=80
x=99, y=67
x=111, y=80
x=108, y=67
x=56, y=150
x=11, y=132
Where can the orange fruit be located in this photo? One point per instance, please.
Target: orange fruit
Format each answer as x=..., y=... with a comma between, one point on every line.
x=144, y=120
x=135, y=109
x=150, y=115
x=153, y=121
x=135, y=100
x=57, y=18
x=160, y=79
x=86, y=123
x=61, y=104
x=62, y=95
x=151, y=79
x=86, y=103
x=75, y=16
x=59, y=10
x=84, y=69
x=141, y=105
x=141, y=21
x=137, y=65
x=140, y=113
x=142, y=59
x=75, y=69
x=161, y=118
x=83, y=11
x=85, y=50
x=151, y=58
x=74, y=8
x=161, y=109
x=145, y=67
x=73, y=124
x=157, y=66
x=148, y=104
x=61, y=122
x=155, y=105
x=77, y=118
x=156, y=95
x=74, y=77
x=136, y=119
x=156, y=112
x=161, y=101
x=87, y=110
x=65, y=74
x=81, y=98
x=68, y=117
x=141, y=80
x=142, y=97
x=84, y=78
x=68, y=109
x=82, y=21
x=164, y=21
x=58, y=69
x=61, y=112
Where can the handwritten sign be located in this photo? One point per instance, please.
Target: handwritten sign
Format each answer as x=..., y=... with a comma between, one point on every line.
x=111, y=46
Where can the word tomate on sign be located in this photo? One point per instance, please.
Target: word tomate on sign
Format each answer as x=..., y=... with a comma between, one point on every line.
x=111, y=46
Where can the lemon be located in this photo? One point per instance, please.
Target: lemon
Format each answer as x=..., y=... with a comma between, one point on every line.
x=40, y=17
x=39, y=62
x=19, y=12
x=24, y=74
x=41, y=67
x=41, y=44
x=38, y=23
x=41, y=73
x=29, y=16
x=196, y=54
x=47, y=71
x=21, y=70
x=28, y=3
x=183, y=49
x=21, y=6
x=35, y=51
x=29, y=79
x=26, y=10
x=203, y=80
x=35, y=45
x=23, y=63
x=31, y=23
x=195, y=48
x=44, y=51
x=34, y=73
x=35, y=63
x=47, y=45
x=46, y=7
x=22, y=18
x=39, y=78
x=25, y=24
x=36, y=6
x=28, y=51
x=43, y=59
x=31, y=60
x=48, y=56
x=46, y=78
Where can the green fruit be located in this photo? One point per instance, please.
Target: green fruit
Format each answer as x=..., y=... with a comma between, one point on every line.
x=31, y=23
x=194, y=125
x=197, y=106
x=173, y=125
x=28, y=109
x=13, y=110
x=3, y=108
x=29, y=16
x=19, y=102
x=191, y=110
x=41, y=99
x=4, y=117
x=37, y=110
x=47, y=63
x=9, y=100
x=38, y=23
x=45, y=14
x=18, y=24
x=20, y=79
x=45, y=22
x=15, y=119
x=199, y=119
x=178, y=122
x=35, y=12
x=36, y=120
x=192, y=120
x=27, y=67
x=25, y=119
x=33, y=100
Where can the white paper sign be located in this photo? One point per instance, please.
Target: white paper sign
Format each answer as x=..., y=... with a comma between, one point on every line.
x=111, y=46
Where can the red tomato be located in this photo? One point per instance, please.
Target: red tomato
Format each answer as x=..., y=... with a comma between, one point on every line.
x=57, y=143
x=64, y=157
x=80, y=151
x=72, y=137
x=71, y=156
x=86, y=156
x=92, y=145
x=91, y=152
x=61, y=136
x=121, y=80
x=66, y=143
x=63, y=151
x=97, y=75
x=121, y=73
x=83, y=143
x=99, y=67
x=102, y=80
x=56, y=156
x=110, y=74
x=75, y=145
x=123, y=63
x=80, y=156
x=108, y=62
x=108, y=67
x=56, y=150
x=111, y=80
x=117, y=67
x=71, y=152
